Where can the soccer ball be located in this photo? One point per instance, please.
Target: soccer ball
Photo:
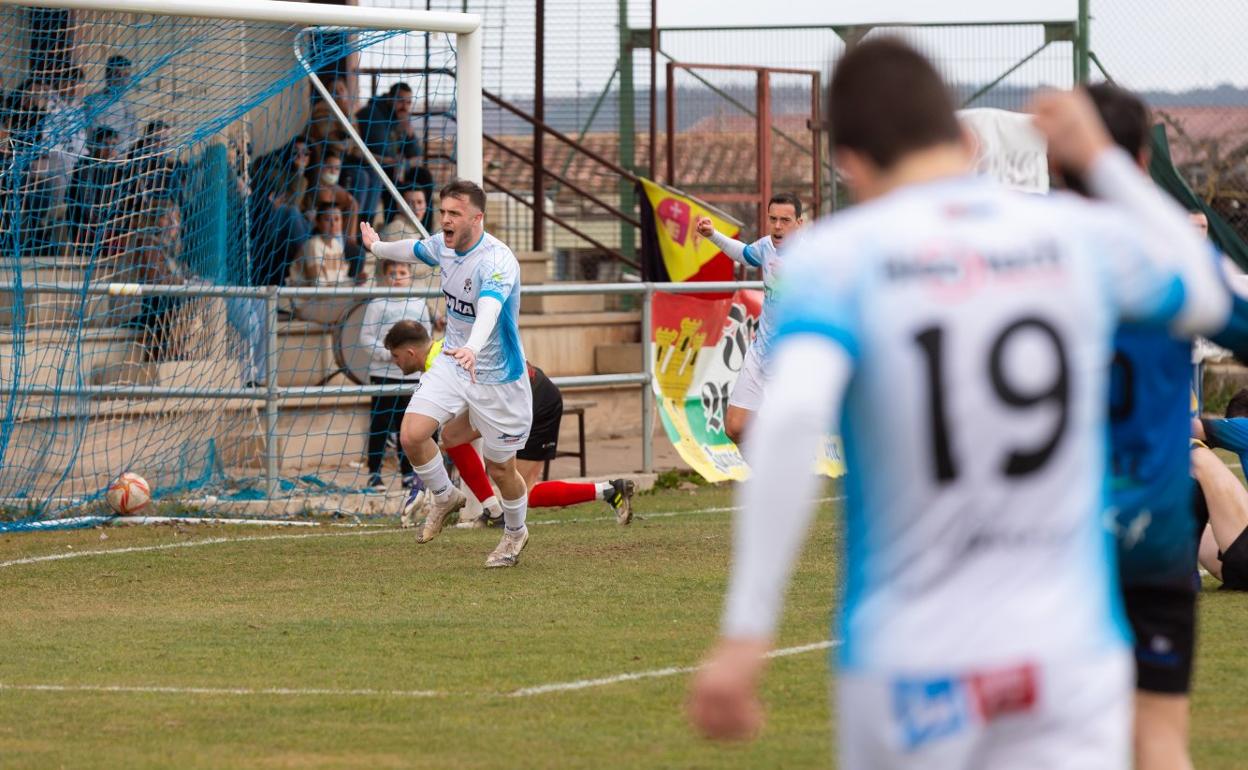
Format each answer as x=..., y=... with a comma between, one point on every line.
x=129, y=494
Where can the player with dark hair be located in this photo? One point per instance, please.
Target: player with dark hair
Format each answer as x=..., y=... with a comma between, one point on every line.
x=1151, y=491
x=964, y=357
x=413, y=351
x=784, y=215
x=478, y=386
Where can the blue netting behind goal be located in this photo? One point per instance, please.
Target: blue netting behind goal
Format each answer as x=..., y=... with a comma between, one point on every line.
x=153, y=151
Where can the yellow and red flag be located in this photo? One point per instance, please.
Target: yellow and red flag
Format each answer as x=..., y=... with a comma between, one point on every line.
x=672, y=250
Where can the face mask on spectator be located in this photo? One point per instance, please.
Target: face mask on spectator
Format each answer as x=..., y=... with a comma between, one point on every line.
x=330, y=177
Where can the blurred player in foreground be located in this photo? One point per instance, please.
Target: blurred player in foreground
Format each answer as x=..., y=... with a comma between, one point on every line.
x=964, y=356
x=1150, y=491
x=477, y=387
x=413, y=351
x=784, y=215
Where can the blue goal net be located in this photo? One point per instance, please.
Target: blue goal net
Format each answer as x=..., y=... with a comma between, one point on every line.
x=158, y=176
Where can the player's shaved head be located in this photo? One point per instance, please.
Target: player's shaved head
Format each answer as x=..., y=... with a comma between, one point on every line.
x=886, y=100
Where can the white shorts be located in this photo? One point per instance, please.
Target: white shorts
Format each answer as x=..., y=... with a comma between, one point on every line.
x=501, y=413
x=1074, y=717
x=748, y=392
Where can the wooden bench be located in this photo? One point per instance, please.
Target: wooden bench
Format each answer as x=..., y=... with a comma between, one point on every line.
x=576, y=408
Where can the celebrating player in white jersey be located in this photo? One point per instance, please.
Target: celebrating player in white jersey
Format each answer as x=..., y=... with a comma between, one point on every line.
x=784, y=215
x=960, y=336
x=480, y=382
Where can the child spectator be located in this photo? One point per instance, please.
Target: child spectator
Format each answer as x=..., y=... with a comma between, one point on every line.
x=386, y=415
x=151, y=257
x=324, y=260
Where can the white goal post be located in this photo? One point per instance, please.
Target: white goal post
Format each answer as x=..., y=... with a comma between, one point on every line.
x=465, y=26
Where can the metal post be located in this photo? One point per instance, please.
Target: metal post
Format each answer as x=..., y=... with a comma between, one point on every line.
x=539, y=129
x=647, y=389
x=1083, y=43
x=654, y=87
x=764, y=147
x=628, y=132
x=670, y=95
x=271, y=460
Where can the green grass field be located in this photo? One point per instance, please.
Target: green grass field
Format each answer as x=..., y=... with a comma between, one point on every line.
x=360, y=649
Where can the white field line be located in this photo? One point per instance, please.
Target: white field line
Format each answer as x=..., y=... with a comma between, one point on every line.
x=264, y=538
x=658, y=673
x=527, y=692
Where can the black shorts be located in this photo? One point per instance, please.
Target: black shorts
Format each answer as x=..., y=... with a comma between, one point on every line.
x=547, y=414
x=1163, y=619
x=1235, y=564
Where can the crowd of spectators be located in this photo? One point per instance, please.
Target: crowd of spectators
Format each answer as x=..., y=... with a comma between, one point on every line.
x=89, y=173
x=315, y=190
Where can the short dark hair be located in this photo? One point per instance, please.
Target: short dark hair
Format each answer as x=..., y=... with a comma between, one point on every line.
x=787, y=199
x=1125, y=115
x=327, y=208
x=465, y=189
x=886, y=100
x=1238, y=405
x=406, y=332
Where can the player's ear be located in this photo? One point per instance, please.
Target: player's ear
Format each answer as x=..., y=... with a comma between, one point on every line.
x=857, y=170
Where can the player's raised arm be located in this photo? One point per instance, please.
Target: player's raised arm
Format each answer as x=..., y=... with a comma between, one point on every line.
x=736, y=250
x=1160, y=243
x=407, y=250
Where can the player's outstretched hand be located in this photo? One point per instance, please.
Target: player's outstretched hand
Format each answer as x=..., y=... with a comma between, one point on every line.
x=723, y=701
x=1072, y=126
x=368, y=236
x=466, y=358
x=705, y=227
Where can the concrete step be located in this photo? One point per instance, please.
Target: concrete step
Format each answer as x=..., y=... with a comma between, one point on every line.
x=534, y=266
x=617, y=358
x=565, y=303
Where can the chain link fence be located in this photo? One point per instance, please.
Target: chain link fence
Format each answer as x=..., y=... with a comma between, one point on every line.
x=1187, y=61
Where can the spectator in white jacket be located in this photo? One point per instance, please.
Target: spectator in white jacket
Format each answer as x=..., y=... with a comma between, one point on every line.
x=386, y=415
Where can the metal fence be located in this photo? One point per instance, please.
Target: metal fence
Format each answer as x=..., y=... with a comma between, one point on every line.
x=272, y=395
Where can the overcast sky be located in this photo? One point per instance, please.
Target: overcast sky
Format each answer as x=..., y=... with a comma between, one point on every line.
x=1146, y=44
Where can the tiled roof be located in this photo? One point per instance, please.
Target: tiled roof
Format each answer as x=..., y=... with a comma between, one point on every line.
x=1194, y=131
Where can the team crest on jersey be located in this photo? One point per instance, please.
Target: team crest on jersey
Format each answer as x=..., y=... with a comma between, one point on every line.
x=468, y=286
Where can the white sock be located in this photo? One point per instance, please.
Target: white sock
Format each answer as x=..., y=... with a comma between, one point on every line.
x=514, y=512
x=493, y=507
x=433, y=473
x=602, y=487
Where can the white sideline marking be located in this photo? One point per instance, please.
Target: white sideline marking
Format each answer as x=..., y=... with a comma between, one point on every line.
x=658, y=673
x=264, y=538
x=526, y=692
x=187, y=544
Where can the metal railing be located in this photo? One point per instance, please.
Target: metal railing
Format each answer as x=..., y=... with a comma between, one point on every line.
x=271, y=394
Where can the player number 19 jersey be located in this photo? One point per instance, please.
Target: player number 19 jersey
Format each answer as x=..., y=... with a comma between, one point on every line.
x=979, y=334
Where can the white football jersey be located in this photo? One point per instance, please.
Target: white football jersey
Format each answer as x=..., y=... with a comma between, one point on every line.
x=487, y=269
x=763, y=255
x=979, y=325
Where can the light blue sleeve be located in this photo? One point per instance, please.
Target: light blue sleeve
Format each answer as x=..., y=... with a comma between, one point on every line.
x=423, y=253
x=817, y=295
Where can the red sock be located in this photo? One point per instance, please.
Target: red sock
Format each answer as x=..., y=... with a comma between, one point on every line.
x=472, y=470
x=556, y=494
